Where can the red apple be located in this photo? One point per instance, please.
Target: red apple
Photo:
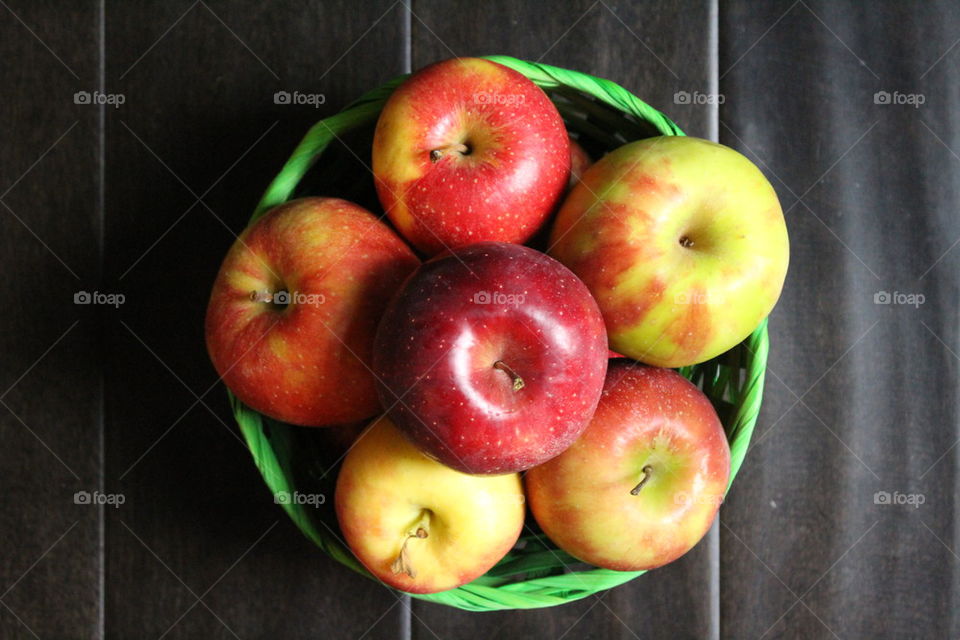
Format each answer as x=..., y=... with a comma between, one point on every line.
x=294, y=309
x=491, y=358
x=468, y=150
x=418, y=525
x=643, y=483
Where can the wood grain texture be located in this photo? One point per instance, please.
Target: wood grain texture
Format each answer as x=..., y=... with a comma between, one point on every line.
x=49, y=385
x=861, y=397
x=200, y=123
x=655, y=50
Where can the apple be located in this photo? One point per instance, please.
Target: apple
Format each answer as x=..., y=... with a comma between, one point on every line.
x=468, y=150
x=681, y=241
x=579, y=161
x=294, y=309
x=418, y=525
x=491, y=358
x=643, y=483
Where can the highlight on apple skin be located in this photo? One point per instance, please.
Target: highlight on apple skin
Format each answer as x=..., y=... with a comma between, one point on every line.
x=491, y=358
x=468, y=150
x=294, y=308
x=643, y=484
x=418, y=525
x=683, y=244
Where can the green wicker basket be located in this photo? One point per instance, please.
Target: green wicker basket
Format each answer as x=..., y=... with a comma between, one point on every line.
x=535, y=573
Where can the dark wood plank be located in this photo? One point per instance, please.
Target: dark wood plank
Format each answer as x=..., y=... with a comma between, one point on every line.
x=49, y=383
x=200, y=120
x=806, y=549
x=654, y=49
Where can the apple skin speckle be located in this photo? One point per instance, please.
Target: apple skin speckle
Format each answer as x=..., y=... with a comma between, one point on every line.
x=306, y=364
x=518, y=165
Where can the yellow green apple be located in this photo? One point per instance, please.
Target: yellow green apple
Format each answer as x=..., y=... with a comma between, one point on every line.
x=642, y=485
x=681, y=241
x=418, y=525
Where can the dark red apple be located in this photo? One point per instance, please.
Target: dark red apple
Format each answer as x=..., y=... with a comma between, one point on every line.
x=491, y=358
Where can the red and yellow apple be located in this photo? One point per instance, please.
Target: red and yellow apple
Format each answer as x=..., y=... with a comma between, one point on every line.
x=491, y=358
x=683, y=244
x=294, y=309
x=642, y=485
x=468, y=150
x=418, y=525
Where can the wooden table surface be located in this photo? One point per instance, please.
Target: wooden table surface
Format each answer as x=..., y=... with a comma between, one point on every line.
x=848, y=108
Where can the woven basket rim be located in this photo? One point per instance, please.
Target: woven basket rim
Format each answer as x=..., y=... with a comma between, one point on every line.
x=718, y=377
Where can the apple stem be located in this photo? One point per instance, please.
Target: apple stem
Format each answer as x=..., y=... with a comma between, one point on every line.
x=647, y=471
x=402, y=563
x=459, y=147
x=517, y=380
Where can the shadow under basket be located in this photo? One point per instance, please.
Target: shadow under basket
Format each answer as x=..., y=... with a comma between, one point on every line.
x=536, y=573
